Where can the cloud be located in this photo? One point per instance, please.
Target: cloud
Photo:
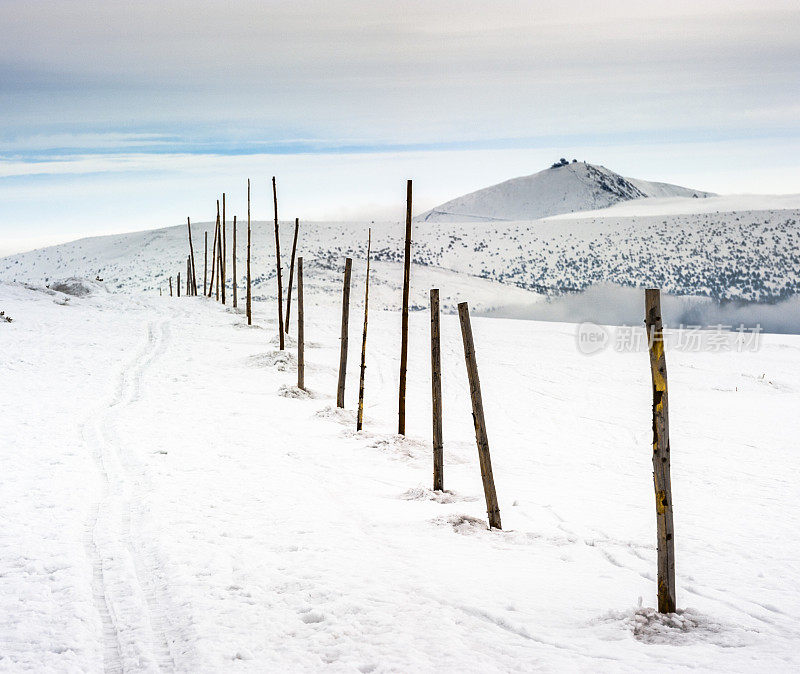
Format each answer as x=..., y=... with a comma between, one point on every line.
x=608, y=304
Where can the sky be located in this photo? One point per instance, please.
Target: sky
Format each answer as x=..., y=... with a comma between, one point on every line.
x=119, y=116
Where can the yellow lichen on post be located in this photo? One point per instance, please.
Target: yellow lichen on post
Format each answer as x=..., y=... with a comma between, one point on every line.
x=661, y=454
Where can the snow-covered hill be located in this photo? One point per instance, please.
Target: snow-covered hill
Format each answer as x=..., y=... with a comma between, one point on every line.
x=563, y=188
x=734, y=255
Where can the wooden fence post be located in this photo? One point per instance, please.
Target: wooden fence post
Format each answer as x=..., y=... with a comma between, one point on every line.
x=401, y=413
x=661, y=470
x=248, y=303
x=191, y=253
x=222, y=253
x=301, y=362
x=291, y=272
x=214, y=273
x=278, y=265
x=436, y=394
x=233, y=259
x=345, y=319
x=360, y=420
x=178, y=284
x=205, y=267
x=220, y=270
x=170, y=286
x=188, y=276
x=481, y=438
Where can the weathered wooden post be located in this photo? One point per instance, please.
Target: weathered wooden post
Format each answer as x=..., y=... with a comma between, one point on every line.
x=159, y=291
x=220, y=270
x=291, y=272
x=214, y=270
x=170, y=286
x=248, y=303
x=178, y=284
x=191, y=253
x=278, y=266
x=205, y=267
x=348, y=263
x=222, y=251
x=301, y=362
x=233, y=259
x=401, y=414
x=661, y=471
x=481, y=438
x=360, y=420
x=188, y=276
x=436, y=394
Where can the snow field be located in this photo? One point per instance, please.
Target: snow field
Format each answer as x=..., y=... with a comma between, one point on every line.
x=171, y=502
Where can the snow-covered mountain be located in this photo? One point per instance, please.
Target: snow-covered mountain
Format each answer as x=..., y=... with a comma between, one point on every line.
x=563, y=188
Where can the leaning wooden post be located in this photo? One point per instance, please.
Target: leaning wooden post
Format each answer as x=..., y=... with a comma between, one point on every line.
x=291, y=272
x=278, y=265
x=301, y=362
x=220, y=271
x=481, y=438
x=248, y=305
x=214, y=257
x=233, y=259
x=191, y=252
x=401, y=414
x=360, y=420
x=178, y=284
x=170, y=286
x=436, y=394
x=661, y=472
x=348, y=263
x=216, y=254
x=223, y=253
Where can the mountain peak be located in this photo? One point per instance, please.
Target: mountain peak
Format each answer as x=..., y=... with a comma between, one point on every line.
x=565, y=187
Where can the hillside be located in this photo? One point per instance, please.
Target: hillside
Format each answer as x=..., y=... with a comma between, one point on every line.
x=736, y=255
x=563, y=188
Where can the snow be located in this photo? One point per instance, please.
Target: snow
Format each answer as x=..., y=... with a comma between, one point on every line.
x=727, y=203
x=169, y=503
x=560, y=189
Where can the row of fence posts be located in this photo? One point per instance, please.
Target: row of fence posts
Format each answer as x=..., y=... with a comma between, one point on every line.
x=217, y=284
x=653, y=324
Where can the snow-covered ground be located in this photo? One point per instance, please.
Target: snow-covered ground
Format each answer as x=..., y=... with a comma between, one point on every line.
x=170, y=501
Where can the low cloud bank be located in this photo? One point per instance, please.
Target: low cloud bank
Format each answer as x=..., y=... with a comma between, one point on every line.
x=609, y=304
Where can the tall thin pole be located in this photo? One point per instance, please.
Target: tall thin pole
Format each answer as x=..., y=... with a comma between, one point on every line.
x=436, y=393
x=205, y=267
x=301, y=361
x=233, y=259
x=481, y=437
x=170, y=286
x=220, y=281
x=188, y=276
x=191, y=252
x=278, y=265
x=291, y=272
x=178, y=284
x=223, y=250
x=661, y=456
x=249, y=312
x=401, y=422
x=348, y=263
x=360, y=420
x=216, y=254
x=213, y=257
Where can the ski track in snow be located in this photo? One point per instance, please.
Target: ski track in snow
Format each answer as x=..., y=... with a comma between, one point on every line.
x=134, y=626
